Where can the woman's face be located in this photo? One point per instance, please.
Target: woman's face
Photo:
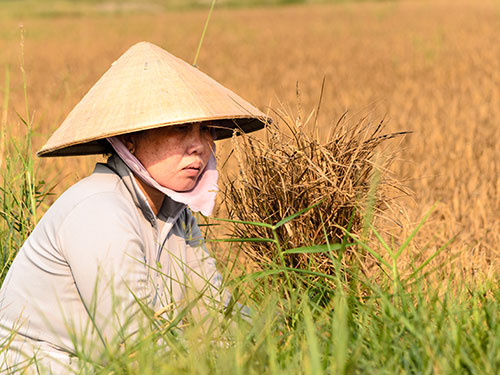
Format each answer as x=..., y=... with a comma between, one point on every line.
x=175, y=156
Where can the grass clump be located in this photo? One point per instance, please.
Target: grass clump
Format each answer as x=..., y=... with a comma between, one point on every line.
x=389, y=330
x=295, y=169
x=22, y=192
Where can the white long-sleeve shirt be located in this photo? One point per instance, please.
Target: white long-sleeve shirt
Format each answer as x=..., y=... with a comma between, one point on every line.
x=97, y=249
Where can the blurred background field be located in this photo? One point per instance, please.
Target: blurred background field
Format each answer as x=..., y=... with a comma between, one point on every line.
x=427, y=67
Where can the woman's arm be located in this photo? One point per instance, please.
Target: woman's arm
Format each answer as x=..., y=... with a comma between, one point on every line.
x=103, y=246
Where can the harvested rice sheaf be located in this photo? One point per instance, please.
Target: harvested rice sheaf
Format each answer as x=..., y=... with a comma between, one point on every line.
x=294, y=168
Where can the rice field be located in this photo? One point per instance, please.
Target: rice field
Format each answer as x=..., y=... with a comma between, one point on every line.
x=430, y=68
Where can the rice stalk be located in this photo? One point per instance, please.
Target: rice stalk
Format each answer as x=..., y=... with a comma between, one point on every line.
x=293, y=167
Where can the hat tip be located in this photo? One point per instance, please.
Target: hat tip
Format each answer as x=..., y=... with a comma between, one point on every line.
x=143, y=43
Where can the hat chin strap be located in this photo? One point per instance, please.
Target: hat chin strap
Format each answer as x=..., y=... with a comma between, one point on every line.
x=199, y=199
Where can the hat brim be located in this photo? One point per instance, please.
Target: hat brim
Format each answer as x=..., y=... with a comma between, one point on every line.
x=224, y=128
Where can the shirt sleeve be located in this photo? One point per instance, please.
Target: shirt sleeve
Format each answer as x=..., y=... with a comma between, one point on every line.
x=102, y=244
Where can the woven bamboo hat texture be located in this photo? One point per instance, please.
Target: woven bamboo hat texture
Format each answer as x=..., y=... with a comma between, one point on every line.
x=147, y=88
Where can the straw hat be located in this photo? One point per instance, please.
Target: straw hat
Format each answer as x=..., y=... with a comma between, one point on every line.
x=147, y=88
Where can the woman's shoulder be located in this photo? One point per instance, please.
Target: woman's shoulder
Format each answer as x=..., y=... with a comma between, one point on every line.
x=96, y=207
x=102, y=180
x=102, y=191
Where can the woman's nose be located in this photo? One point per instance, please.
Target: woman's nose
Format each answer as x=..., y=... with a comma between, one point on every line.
x=196, y=141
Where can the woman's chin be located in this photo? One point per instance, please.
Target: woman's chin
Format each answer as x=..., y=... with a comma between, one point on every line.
x=182, y=186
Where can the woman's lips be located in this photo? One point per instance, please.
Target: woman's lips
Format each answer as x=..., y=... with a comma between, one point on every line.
x=192, y=169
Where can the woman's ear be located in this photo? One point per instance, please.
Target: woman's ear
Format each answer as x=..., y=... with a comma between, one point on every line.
x=129, y=142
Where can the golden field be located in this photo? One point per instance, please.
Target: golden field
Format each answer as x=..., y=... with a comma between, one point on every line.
x=428, y=67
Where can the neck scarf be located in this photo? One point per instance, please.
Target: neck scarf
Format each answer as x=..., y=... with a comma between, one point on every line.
x=199, y=199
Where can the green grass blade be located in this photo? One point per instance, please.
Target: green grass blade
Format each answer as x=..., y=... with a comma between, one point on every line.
x=372, y=252
x=381, y=240
x=340, y=330
x=307, y=272
x=429, y=259
x=204, y=32
x=257, y=224
x=291, y=217
x=316, y=249
x=414, y=232
x=346, y=231
x=254, y=239
x=5, y=111
x=316, y=367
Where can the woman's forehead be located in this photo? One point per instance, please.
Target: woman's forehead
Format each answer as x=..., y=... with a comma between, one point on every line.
x=201, y=123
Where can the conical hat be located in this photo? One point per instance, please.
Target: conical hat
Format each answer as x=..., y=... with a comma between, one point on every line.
x=147, y=88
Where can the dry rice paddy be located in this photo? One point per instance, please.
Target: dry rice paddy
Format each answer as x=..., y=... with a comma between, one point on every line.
x=428, y=67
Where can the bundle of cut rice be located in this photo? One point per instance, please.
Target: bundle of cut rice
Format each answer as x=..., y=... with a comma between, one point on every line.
x=293, y=168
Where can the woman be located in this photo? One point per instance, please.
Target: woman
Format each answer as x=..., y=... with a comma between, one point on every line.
x=124, y=235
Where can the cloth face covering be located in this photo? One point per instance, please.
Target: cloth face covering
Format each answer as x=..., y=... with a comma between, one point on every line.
x=199, y=199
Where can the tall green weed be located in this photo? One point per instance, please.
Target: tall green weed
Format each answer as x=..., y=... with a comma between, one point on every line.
x=22, y=192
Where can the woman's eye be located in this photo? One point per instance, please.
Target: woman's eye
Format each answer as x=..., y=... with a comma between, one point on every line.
x=181, y=129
